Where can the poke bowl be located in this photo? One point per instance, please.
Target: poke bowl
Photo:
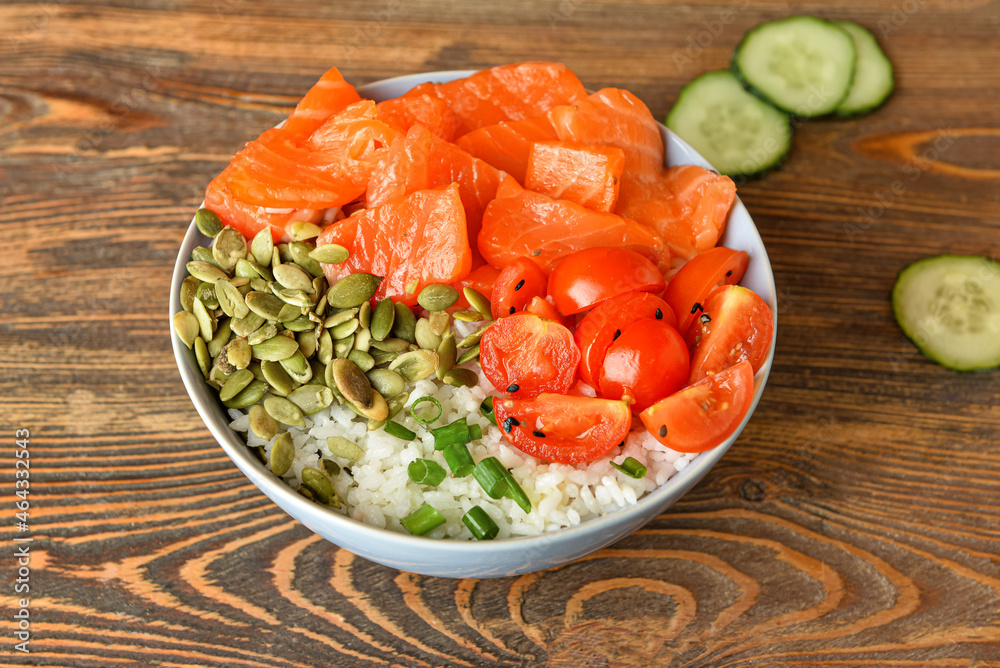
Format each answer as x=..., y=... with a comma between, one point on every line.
x=503, y=556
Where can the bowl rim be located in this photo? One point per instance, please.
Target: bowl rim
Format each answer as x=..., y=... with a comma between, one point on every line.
x=276, y=488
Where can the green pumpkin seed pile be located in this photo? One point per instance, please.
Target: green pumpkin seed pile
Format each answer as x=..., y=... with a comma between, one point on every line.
x=269, y=333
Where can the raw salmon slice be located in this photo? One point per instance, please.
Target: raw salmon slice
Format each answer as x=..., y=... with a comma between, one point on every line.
x=506, y=93
x=432, y=112
x=411, y=242
x=522, y=223
x=327, y=97
x=687, y=205
x=614, y=117
x=582, y=173
x=250, y=219
x=507, y=146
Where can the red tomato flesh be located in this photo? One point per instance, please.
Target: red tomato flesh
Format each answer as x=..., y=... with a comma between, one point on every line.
x=586, y=278
x=648, y=362
x=703, y=415
x=515, y=287
x=735, y=325
x=541, y=306
x=596, y=331
x=564, y=429
x=525, y=355
x=696, y=279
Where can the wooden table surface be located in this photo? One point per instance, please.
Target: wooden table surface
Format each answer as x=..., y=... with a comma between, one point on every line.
x=855, y=523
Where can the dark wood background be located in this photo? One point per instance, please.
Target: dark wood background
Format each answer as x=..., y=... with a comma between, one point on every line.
x=855, y=523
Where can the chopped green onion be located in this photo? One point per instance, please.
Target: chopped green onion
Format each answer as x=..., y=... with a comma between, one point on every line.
x=492, y=477
x=456, y=432
x=399, y=431
x=418, y=418
x=426, y=472
x=459, y=460
x=475, y=432
x=480, y=524
x=517, y=494
x=631, y=467
x=486, y=408
x=422, y=520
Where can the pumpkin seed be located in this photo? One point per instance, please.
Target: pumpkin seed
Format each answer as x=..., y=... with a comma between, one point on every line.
x=343, y=347
x=317, y=370
x=249, y=268
x=339, y=317
x=319, y=286
x=320, y=486
x=415, y=365
x=206, y=293
x=304, y=492
x=363, y=360
x=397, y=403
x=426, y=338
x=261, y=423
x=265, y=305
x=258, y=285
x=235, y=384
x=331, y=467
x=218, y=375
x=229, y=248
x=276, y=376
x=289, y=313
x=250, y=395
x=352, y=383
x=469, y=355
x=298, y=367
x=239, y=353
x=437, y=297
x=284, y=411
x=307, y=343
x=207, y=222
x=474, y=338
x=230, y=300
x=345, y=448
x=405, y=323
x=299, y=253
x=279, y=255
x=202, y=254
x=248, y=325
x=202, y=357
x=447, y=353
x=189, y=290
x=344, y=329
x=282, y=454
x=261, y=246
x=385, y=382
x=254, y=368
x=297, y=298
x=363, y=340
x=375, y=425
x=468, y=316
x=391, y=345
x=353, y=290
x=440, y=322
x=187, y=327
x=382, y=356
x=266, y=332
x=275, y=349
x=382, y=319
x=320, y=309
x=324, y=348
x=460, y=377
x=221, y=338
x=301, y=230
x=293, y=277
x=311, y=398
x=365, y=315
x=205, y=272
x=301, y=323
x=206, y=320
x=478, y=301
x=330, y=254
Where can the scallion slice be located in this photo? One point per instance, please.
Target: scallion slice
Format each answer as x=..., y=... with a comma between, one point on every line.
x=459, y=460
x=632, y=467
x=399, y=431
x=517, y=494
x=486, y=408
x=456, y=432
x=480, y=524
x=423, y=420
x=475, y=432
x=492, y=477
x=426, y=472
x=422, y=520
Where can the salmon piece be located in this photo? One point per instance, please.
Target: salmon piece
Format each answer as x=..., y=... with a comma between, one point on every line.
x=521, y=223
x=614, y=117
x=420, y=161
x=327, y=97
x=687, y=205
x=432, y=112
x=582, y=173
x=250, y=219
x=410, y=242
x=507, y=146
x=506, y=93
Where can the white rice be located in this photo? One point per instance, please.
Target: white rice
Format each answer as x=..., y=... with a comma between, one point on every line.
x=377, y=490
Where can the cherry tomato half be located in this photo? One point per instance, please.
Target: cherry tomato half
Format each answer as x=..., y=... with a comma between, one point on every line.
x=520, y=281
x=525, y=355
x=703, y=415
x=648, y=362
x=586, y=278
x=564, y=429
x=597, y=329
x=541, y=306
x=735, y=325
x=696, y=279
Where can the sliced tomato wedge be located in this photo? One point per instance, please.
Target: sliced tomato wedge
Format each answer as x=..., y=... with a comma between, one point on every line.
x=648, y=362
x=703, y=415
x=541, y=306
x=588, y=277
x=564, y=429
x=691, y=286
x=597, y=329
x=525, y=355
x=519, y=282
x=734, y=325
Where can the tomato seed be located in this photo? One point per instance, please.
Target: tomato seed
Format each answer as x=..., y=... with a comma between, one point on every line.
x=512, y=310
x=618, y=333
x=663, y=431
x=539, y=434
x=697, y=307
x=659, y=314
x=513, y=387
x=519, y=285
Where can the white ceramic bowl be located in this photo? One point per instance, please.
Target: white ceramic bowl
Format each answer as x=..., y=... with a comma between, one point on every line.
x=496, y=558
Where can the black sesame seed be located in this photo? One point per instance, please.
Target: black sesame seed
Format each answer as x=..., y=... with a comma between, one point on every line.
x=622, y=444
x=729, y=273
x=697, y=307
x=348, y=471
x=512, y=310
x=513, y=387
x=659, y=314
x=519, y=285
x=705, y=318
x=663, y=431
x=514, y=421
x=539, y=434
x=618, y=333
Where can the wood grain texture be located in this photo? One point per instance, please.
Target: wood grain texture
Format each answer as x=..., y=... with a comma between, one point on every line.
x=855, y=523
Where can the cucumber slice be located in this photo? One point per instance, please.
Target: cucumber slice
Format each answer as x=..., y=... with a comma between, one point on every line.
x=740, y=134
x=802, y=64
x=949, y=306
x=873, y=79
